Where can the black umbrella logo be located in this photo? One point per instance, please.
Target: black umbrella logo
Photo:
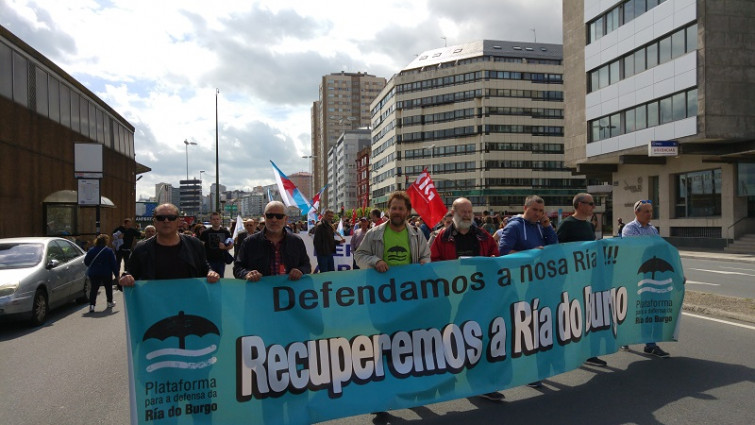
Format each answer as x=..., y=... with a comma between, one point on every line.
x=654, y=265
x=181, y=326
x=397, y=253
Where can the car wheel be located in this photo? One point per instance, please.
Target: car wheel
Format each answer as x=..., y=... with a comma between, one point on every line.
x=84, y=296
x=40, y=308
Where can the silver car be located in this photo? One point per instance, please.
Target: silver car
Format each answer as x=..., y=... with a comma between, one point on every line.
x=37, y=274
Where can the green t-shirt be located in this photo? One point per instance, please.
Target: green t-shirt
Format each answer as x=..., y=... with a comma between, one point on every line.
x=396, y=247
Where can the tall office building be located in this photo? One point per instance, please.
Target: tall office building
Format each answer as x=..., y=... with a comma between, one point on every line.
x=342, y=169
x=677, y=73
x=191, y=196
x=164, y=193
x=344, y=104
x=485, y=118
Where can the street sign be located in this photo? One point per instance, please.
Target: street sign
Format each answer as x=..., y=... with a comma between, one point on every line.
x=89, y=192
x=663, y=148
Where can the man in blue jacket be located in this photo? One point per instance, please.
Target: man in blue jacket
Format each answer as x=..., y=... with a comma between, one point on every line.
x=532, y=229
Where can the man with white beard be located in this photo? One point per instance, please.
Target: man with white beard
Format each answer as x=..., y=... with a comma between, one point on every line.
x=462, y=238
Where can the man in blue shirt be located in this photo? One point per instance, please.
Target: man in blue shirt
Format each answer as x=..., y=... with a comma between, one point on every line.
x=640, y=226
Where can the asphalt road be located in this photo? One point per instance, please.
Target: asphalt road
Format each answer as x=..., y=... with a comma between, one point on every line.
x=74, y=371
x=734, y=279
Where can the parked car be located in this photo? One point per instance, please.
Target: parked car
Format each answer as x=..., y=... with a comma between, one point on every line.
x=38, y=274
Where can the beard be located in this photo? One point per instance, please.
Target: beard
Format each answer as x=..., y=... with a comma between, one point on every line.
x=397, y=220
x=461, y=224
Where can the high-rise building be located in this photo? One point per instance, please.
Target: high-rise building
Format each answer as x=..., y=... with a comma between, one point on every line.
x=646, y=79
x=342, y=169
x=164, y=193
x=191, y=196
x=485, y=118
x=344, y=104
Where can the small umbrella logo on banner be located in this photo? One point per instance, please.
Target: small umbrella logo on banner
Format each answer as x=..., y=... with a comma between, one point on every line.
x=181, y=326
x=653, y=266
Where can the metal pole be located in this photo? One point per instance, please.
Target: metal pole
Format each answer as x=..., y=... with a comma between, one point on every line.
x=217, y=161
x=186, y=143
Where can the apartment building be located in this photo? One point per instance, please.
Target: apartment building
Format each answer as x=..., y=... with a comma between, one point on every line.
x=485, y=118
x=343, y=104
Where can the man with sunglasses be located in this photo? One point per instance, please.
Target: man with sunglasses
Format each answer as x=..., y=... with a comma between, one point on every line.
x=168, y=255
x=273, y=251
x=640, y=226
x=576, y=228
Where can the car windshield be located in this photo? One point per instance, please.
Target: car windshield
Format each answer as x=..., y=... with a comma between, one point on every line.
x=20, y=255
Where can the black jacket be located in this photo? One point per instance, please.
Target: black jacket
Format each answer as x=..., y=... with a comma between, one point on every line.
x=256, y=252
x=324, y=240
x=141, y=264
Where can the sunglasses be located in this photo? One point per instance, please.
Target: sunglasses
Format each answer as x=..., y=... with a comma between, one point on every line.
x=277, y=216
x=641, y=203
x=592, y=204
x=169, y=217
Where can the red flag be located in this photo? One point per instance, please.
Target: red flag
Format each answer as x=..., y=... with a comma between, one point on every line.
x=426, y=200
x=354, y=217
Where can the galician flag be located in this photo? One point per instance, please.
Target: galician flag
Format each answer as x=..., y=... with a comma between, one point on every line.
x=426, y=200
x=288, y=190
x=312, y=213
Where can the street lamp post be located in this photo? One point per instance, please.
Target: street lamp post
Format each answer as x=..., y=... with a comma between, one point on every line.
x=187, y=143
x=217, y=157
x=311, y=178
x=201, y=194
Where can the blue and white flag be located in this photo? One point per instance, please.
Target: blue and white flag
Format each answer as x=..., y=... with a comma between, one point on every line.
x=291, y=195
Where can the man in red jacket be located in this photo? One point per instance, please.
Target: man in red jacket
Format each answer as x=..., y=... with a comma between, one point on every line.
x=462, y=238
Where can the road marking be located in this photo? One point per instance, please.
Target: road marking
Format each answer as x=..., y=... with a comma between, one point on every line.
x=719, y=320
x=695, y=282
x=738, y=268
x=724, y=272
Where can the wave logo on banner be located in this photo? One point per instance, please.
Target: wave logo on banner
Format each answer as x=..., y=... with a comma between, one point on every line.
x=181, y=326
x=653, y=266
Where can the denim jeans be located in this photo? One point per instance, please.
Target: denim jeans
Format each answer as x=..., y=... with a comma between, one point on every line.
x=326, y=263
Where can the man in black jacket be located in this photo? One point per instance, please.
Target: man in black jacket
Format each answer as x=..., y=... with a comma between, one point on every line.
x=169, y=255
x=325, y=242
x=273, y=251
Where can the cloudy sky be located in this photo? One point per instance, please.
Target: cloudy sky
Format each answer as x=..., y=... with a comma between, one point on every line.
x=158, y=64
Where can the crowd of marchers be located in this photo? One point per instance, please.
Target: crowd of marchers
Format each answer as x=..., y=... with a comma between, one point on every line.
x=384, y=240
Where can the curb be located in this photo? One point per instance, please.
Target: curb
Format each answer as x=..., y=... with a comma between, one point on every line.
x=716, y=312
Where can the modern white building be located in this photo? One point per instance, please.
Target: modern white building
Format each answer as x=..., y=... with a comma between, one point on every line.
x=677, y=73
x=342, y=169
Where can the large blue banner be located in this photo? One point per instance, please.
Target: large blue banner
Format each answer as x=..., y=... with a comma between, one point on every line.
x=344, y=343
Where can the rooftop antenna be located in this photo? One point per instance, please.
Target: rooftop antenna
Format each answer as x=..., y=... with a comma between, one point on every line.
x=534, y=33
x=445, y=41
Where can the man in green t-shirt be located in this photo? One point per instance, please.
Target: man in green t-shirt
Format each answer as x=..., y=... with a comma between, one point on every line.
x=393, y=243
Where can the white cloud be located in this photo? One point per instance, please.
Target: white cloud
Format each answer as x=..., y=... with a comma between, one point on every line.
x=158, y=64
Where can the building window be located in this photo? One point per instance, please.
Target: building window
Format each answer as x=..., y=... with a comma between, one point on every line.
x=698, y=194
x=746, y=179
x=6, y=71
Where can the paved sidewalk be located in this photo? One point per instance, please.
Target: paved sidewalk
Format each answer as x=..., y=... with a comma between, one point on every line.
x=718, y=256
